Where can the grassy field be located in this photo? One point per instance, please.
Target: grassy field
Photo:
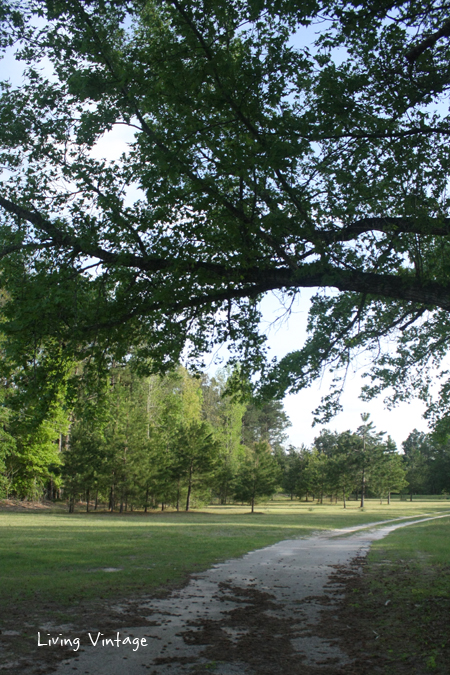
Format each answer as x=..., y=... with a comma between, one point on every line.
x=68, y=558
x=403, y=601
x=90, y=569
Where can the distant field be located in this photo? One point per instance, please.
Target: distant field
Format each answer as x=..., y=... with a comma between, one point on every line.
x=421, y=498
x=69, y=558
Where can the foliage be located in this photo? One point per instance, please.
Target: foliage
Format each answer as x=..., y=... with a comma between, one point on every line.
x=225, y=414
x=427, y=462
x=131, y=441
x=390, y=475
x=258, y=476
x=265, y=422
x=195, y=455
x=295, y=479
x=340, y=464
x=34, y=458
x=274, y=146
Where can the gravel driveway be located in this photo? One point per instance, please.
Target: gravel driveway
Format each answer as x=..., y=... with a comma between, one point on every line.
x=255, y=615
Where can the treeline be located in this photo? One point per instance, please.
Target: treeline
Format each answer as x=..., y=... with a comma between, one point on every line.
x=427, y=463
x=180, y=441
x=358, y=464
x=147, y=442
x=363, y=464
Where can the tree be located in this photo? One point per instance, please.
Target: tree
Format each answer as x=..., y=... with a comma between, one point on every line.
x=35, y=459
x=317, y=474
x=224, y=414
x=294, y=479
x=417, y=450
x=427, y=462
x=267, y=421
x=258, y=476
x=253, y=166
x=30, y=450
x=195, y=455
x=85, y=465
x=7, y=448
x=440, y=469
x=343, y=465
x=389, y=474
x=367, y=452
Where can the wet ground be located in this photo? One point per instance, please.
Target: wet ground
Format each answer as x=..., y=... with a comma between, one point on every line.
x=261, y=614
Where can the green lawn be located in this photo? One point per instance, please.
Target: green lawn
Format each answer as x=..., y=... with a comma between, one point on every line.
x=404, y=596
x=65, y=557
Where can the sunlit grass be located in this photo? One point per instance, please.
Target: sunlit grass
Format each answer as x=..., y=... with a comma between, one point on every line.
x=63, y=558
x=406, y=597
x=425, y=543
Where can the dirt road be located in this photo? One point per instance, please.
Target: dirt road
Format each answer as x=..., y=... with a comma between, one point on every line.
x=255, y=615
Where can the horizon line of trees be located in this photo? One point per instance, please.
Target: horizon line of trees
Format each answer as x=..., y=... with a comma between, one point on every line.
x=145, y=442
x=180, y=441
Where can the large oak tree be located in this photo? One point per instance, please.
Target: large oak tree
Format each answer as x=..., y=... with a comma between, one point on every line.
x=278, y=145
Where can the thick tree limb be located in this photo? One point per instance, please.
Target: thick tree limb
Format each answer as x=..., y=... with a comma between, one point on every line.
x=432, y=226
x=248, y=282
x=428, y=42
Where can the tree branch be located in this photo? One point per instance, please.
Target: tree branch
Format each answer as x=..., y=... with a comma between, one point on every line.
x=428, y=42
x=248, y=282
x=432, y=226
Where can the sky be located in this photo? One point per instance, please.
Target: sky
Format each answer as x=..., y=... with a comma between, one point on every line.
x=289, y=335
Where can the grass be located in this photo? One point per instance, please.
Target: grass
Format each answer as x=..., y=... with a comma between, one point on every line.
x=63, y=558
x=404, y=597
x=427, y=542
x=53, y=566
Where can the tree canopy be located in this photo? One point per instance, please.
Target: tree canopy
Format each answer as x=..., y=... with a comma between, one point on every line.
x=276, y=145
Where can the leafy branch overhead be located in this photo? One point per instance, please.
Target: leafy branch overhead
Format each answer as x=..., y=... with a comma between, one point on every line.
x=272, y=146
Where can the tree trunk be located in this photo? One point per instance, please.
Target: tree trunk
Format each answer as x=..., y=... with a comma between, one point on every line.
x=389, y=497
x=343, y=497
x=111, y=499
x=146, y=500
x=363, y=487
x=88, y=496
x=188, y=498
